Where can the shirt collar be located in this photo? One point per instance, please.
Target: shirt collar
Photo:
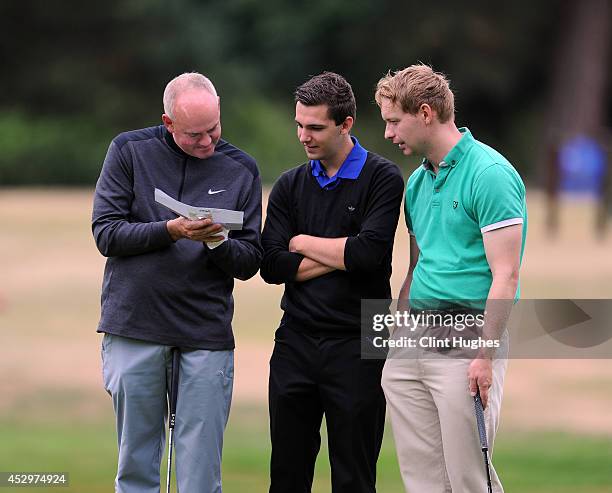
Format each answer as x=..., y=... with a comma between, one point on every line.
x=169, y=138
x=454, y=156
x=350, y=169
x=426, y=163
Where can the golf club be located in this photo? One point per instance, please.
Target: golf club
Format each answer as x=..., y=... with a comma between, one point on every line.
x=174, y=380
x=482, y=431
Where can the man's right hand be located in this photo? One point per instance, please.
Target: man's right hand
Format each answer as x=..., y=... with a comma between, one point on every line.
x=309, y=269
x=203, y=230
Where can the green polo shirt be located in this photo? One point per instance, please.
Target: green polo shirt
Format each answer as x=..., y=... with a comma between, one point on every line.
x=476, y=190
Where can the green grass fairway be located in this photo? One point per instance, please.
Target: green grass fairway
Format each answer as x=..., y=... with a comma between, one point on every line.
x=55, y=416
x=542, y=463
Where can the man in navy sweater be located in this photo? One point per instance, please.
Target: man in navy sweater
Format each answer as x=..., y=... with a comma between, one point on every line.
x=328, y=237
x=168, y=283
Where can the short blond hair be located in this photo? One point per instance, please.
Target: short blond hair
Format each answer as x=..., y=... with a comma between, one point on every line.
x=417, y=85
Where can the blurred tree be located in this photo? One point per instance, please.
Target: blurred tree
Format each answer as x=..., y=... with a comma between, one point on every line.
x=78, y=73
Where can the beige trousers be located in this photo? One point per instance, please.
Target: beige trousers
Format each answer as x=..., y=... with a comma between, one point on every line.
x=433, y=420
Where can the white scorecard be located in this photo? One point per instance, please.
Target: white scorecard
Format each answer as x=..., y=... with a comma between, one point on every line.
x=231, y=220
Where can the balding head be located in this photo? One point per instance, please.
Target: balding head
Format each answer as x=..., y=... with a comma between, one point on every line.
x=184, y=83
x=192, y=114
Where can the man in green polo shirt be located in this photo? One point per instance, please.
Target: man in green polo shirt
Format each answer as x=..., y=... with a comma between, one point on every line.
x=466, y=214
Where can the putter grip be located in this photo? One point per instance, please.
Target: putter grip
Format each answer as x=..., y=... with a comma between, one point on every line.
x=480, y=421
x=176, y=362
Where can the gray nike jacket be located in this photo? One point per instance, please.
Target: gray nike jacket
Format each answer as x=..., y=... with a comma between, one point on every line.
x=154, y=289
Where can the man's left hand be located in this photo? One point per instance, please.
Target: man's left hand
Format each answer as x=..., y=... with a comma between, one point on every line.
x=326, y=251
x=201, y=230
x=480, y=377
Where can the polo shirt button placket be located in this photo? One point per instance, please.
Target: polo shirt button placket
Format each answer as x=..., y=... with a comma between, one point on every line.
x=435, y=201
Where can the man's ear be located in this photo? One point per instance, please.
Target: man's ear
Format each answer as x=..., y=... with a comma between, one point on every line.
x=347, y=125
x=427, y=112
x=169, y=124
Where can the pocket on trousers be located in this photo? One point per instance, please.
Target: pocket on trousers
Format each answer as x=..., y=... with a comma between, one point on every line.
x=105, y=356
x=226, y=381
x=227, y=372
x=227, y=375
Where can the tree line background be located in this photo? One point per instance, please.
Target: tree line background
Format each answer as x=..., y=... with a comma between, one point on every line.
x=75, y=74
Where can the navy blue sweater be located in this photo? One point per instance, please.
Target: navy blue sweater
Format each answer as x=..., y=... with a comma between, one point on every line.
x=154, y=289
x=366, y=211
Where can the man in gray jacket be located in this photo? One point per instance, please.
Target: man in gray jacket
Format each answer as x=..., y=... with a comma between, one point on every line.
x=168, y=283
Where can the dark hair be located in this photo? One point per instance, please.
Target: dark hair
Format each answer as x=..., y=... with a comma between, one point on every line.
x=330, y=89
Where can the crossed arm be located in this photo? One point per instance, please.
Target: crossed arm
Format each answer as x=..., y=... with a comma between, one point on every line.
x=293, y=257
x=321, y=255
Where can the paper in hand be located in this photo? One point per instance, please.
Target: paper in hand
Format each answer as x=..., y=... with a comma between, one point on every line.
x=231, y=220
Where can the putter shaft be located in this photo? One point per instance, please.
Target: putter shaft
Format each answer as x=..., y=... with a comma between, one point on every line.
x=174, y=379
x=482, y=432
x=170, y=443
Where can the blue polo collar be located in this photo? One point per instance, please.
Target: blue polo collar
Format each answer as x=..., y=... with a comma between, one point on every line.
x=350, y=169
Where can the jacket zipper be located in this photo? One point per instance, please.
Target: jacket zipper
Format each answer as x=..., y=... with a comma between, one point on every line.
x=180, y=194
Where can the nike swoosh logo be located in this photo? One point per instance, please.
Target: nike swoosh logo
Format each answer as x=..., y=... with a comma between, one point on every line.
x=210, y=192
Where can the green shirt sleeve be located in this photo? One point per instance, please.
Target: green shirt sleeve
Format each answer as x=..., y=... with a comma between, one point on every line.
x=499, y=198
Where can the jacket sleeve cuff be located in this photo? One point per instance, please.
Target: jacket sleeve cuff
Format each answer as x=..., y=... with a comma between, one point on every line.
x=160, y=235
x=349, y=261
x=292, y=264
x=214, y=244
x=218, y=250
x=286, y=266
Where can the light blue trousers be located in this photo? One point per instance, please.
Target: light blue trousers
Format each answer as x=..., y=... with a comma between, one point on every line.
x=137, y=376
